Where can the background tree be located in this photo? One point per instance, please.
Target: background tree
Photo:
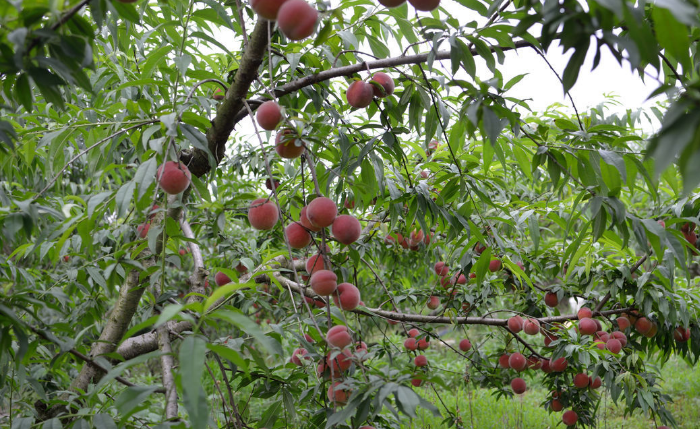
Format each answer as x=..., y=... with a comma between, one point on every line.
x=390, y=187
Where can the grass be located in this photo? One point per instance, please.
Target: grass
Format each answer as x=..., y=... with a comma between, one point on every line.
x=480, y=409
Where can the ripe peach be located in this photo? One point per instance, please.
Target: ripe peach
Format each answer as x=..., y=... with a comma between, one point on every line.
x=218, y=94
x=516, y=324
x=384, y=85
x=286, y=143
x=517, y=361
x=269, y=115
x=392, y=3
x=654, y=329
x=581, y=380
x=531, y=326
x=622, y=338
x=268, y=183
x=504, y=360
x=569, y=418
x=221, y=279
x=263, y=214
x=433, y=302
x=518, y=385
x=601, y=336
x=413, y=333
x=642, y=325
x=595, y=383
x=441, y=269
x=587, y=326
x=547, y=366
x=346, y=229
x=556, y=405
x=534, y=362
x=423, y=343
x=681, y=334
x=495, y=265
x=324, y=282
x=559, y=365
x=425, y=5
x=415, y=238
x=142, y=229
x=460, y=279
x=416, y=382
x=336, y=394
x=420, y=360
x=267, y=8
x=322, y=211
x=584, y=312
x=614, y=345
x=478, y=247
x=623, y=323
x=410, y=344
x=305, y=221
x=465, y=345
x=314, y=264
x=550, y=299
x=359, y=94
x=346, y=296
x=297, y=235
x=340, y=363
x=298, y=355
x=338, y=336
x=297, y=19
x=173, y=177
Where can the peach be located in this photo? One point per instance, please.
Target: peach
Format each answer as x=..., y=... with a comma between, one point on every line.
x=531, y=327
x=286, y=143
x=621, y=337
x=681, y=334
x=425, y=5
x=445, y=281
x=218, y=94
x=569, y=418
x=601, y=336
x=465, y=345
x=581, y=380
x=556, y=405
x=392, y=3
x=420, y=360
x=559, y=365
x=297, y=235
x=584, y=312
x=517, y=361
x=324, y=282
x=534, y=362
x=314, y=264
x=623, y=323
x=503, y=361
x=346, y=296
x=547, y=366
x=382, y=85
x=269, y=115
x=268, y=184
x=359, y=94
x=516, y=324
x=441, y=269
x=241, y=268
x=478, y=247
x=298, y=355
x=297, y=19
x=410, y=344
x=221, y=279
x=415, y=238
x=642, y=325
x=518, y=385
x=416, y=382
x=595, y=383
x=338, y=336
x=413, y=333
x=654, y=329
x=423, y=343
x=263, y=214
x=550, y=299
x=433, y=302
x=173, y=177
x=614, y=345
x=587, y=326
x=460, y=279
x=336, y=394
x=495, y=265
x=321, y=212
x=267, y=8
x=142, y=229
x=305, y=221
x=346, y=229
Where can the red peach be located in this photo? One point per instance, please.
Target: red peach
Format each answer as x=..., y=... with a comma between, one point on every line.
x=433, y=302
x=503, y=361
x=297, y=19
x=336, y=394
x=346, y=229
x=413, y=333
x=338, y=336
x=623, y=323
x=642, y=325
x=359, y=94
x=410, y=344
x=517, y=361
x=297, y=235
x=423, y=343
x=614, y=345
x=425, y=5
x=346, y=296
x=263, y=214
x=556, y=405
x=142, y=229
x=465, y=345
x=621, y=337
x=314, y=264
x=569, y=418
x=305, y=221
x=559, y=365
x=531, y=326
x=298, y=355
x=324, y=282
x=595, y=383
x=267, y=8
x=269, y=115
x=218, y=94
x=587, y=326
x=441, y=269
x=550, y=299
x=681, y=334
x=383, y=86
x=391, y=3
x=420, y=360
x=173, y=177
x=585, y=312
x=221, y=279
x=516, y=324
x=581, y=380
x=495, y=265
x=286, y=143
x=322, y=211
x=518, y=385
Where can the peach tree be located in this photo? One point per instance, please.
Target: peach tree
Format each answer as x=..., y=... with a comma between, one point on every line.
x=261, y=214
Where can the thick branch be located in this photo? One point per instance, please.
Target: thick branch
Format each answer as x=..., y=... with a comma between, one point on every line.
x=223, y=123
x=355, y=68
x=167, y=363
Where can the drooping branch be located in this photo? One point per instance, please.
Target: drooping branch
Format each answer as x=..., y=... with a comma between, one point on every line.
x=325, y=75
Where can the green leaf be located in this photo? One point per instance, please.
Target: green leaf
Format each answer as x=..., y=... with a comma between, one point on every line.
x=573, y=67
x=192, y=357
x=133, y=399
